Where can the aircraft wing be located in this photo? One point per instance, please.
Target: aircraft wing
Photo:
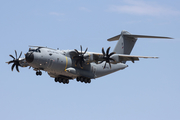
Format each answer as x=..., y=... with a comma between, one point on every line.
x=118, y=58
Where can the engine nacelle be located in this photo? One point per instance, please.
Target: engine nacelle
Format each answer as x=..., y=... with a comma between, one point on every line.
x=89, y=58
x=116, y=58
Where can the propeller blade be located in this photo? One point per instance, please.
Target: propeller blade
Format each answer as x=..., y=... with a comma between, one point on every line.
x=81, y=49
x=101, y=62
x=12, y=67
x=80, y=57
x=110, y=64
x=20, y=54
x=103, y=52
x=76, y=51
x=10, y=62
x=16, y=61
x=16, y=54
x=106, y=57
x=107, y=52
x=111, y=59
x=17, y=68
x=111, y=54
x=85, y=51
x=12, y=56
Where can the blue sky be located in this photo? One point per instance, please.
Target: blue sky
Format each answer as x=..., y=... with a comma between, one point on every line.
x=146, y=90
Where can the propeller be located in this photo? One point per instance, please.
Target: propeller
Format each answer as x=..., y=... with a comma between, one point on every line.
x=15, y=61
x=106, y=57
x=80, y=57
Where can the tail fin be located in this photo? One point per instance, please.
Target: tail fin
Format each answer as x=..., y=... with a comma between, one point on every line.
x=126, y=41
x=125, y=44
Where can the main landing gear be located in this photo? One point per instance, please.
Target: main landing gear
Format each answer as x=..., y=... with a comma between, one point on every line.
x=38, y=73
x=82, y=79
x=66, y=81
x=61, y=80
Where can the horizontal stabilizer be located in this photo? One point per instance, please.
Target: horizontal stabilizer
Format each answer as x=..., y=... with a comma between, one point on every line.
x=114, y=38
x=136, y=36
x=147, y=36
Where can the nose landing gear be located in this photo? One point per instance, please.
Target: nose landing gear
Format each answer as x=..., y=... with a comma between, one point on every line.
x=38, y=73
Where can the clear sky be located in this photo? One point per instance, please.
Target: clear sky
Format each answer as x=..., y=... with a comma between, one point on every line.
x=147, y=90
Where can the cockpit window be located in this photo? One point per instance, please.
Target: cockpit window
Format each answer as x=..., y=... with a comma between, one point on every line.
x=34, y=50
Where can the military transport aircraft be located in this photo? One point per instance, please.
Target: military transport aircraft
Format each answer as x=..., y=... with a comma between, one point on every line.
x=65, y=65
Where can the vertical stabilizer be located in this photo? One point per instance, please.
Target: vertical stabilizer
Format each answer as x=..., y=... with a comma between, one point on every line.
x=126, y=41
x=125, y=44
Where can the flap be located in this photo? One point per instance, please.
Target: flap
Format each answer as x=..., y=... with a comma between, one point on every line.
x=121, y=55
x=132, y=57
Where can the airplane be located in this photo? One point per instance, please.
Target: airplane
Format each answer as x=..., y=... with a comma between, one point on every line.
x=65, y=65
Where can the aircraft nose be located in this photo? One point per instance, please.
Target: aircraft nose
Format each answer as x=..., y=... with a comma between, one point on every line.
x=29, y=57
